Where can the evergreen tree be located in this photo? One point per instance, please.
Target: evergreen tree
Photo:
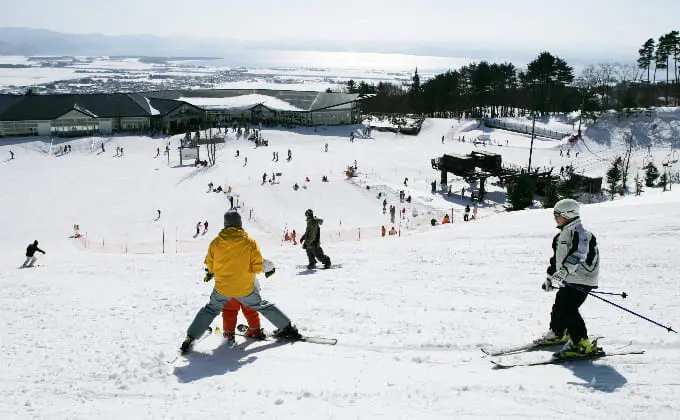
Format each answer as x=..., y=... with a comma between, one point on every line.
x=351, y=86
x=414, y=92
x=646, y=56
x=651, y=175
x=415, y=85
x=568, y=186
x=521, y=193
x=638, y=184
x=613, y=178
x=663, y=181
x=674, y=50
x=551, y=196
x=666, y=44
x=546, y=76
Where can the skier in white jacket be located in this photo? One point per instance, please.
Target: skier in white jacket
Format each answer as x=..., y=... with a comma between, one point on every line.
x=576, y=261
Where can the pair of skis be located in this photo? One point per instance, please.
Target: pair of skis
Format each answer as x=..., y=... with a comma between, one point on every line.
x=600, y=353
x=241, y=330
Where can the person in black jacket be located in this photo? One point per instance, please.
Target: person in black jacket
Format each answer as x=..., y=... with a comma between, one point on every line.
x=311, y=241
x=30, y=254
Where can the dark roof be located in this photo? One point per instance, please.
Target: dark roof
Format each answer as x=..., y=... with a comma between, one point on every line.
x=7, y=100
x=114, y=105
x=49, y=107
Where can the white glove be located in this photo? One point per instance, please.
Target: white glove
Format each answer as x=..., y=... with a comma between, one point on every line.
x=557, y=279
x=547, y=285
x=269, y=268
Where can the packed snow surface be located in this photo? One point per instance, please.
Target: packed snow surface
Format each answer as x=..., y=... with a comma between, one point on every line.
x=87, y=334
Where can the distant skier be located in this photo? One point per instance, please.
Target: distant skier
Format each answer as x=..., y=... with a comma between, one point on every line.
x=576, y=261
x=233, y=259
x=198, y=227
x=466, y=213
x=30, y=254
x=205, y=227
x=325, y=147
x=311, y=241
x=158, y=151
x=159, y=214
x=11, y=155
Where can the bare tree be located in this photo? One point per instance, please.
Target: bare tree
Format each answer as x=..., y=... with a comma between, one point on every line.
x=625, y=163
x=211, y=146
x=607, y=78
x=627, y=74
x=586, y=84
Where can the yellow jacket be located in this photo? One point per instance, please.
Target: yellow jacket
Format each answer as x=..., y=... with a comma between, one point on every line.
x=235, y=258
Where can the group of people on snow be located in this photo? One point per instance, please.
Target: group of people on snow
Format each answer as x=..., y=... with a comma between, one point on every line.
x=233, y=261
x=200, y=224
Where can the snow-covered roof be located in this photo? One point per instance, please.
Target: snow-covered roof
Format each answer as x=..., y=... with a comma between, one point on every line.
x=153, y=110
x=240, y=102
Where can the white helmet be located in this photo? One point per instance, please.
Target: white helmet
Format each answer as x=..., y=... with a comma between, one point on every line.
x=567, y=208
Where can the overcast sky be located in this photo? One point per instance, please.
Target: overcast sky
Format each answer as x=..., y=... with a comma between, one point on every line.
x=599, y=25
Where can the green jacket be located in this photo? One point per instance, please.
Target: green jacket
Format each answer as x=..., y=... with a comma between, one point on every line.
x=312, y=235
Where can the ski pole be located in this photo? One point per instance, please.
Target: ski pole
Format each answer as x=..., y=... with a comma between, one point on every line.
x=669, y=329
x=622, y=294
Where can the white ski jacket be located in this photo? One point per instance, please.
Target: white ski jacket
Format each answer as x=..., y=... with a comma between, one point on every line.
x=575, y=249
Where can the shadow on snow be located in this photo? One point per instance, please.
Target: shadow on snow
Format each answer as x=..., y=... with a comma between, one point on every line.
x=603, y=378
x=224, y=359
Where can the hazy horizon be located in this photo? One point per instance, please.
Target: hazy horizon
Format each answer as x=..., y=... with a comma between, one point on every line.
x=378, y=55
x=606, y=29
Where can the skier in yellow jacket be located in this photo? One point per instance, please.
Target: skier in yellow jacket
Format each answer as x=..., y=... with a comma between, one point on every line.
x=233, y=260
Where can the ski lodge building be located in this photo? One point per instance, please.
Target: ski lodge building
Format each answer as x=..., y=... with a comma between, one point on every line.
x=171, y=111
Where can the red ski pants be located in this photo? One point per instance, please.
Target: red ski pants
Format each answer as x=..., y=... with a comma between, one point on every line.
x=230, y=315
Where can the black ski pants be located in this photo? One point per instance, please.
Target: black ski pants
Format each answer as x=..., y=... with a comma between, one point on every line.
x=316, y=253
x=565, y=313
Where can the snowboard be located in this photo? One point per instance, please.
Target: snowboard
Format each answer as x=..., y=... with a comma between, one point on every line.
x=319, y=267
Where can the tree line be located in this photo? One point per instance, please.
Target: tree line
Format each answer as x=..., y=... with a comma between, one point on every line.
x=547, y=85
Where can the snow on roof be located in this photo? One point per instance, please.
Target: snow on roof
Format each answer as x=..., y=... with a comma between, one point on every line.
x=153, y=110
x=241, y=102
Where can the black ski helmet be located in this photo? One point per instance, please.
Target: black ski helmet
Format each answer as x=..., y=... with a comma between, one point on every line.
x=309, y=213
x=232, y=219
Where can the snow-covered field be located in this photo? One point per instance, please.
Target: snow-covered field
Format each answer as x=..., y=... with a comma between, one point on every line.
x=86, y=335
x=313, y=71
